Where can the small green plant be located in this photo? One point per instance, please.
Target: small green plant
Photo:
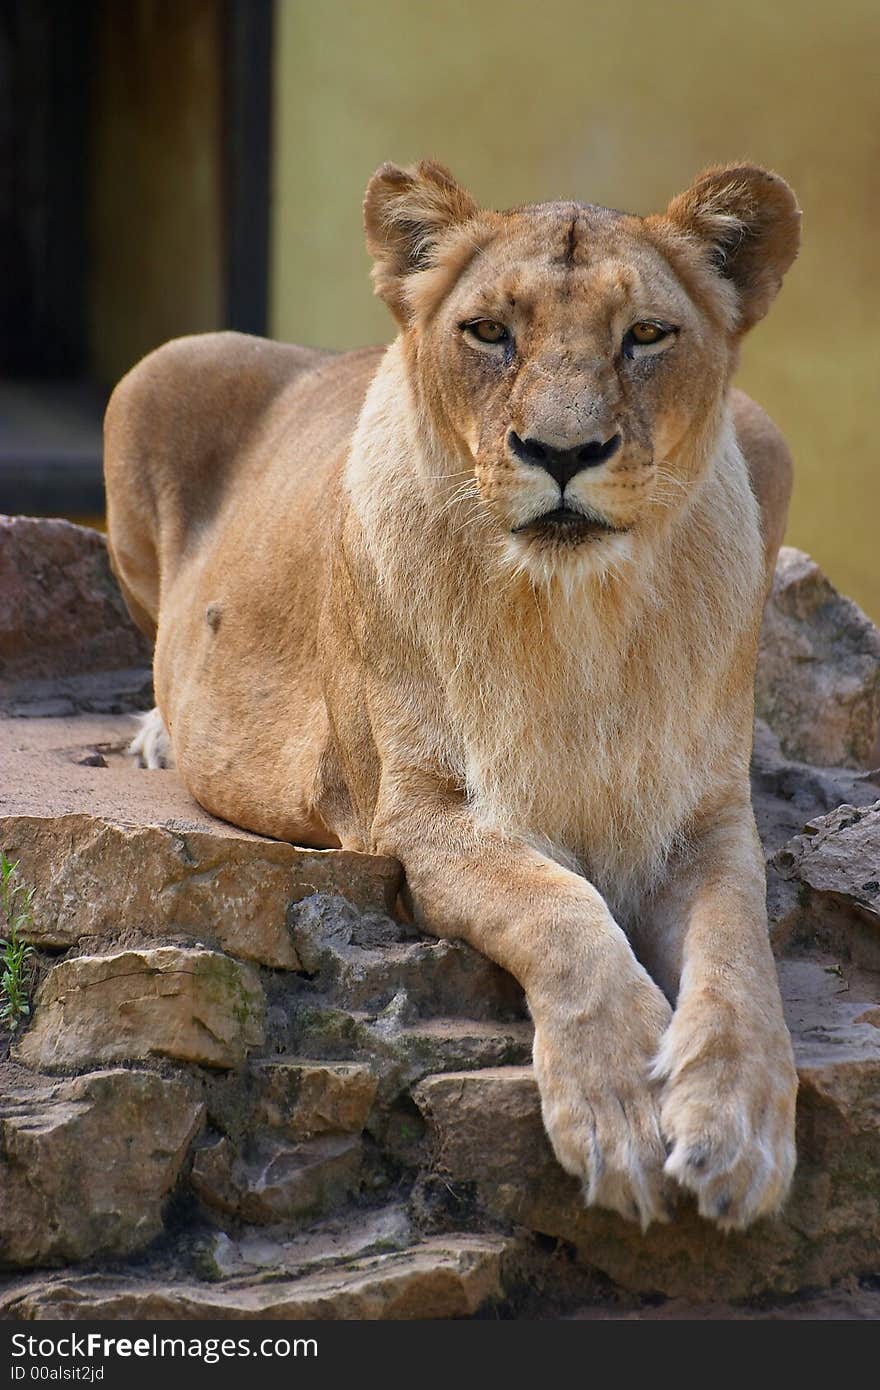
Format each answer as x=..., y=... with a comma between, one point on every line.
x=15, y=956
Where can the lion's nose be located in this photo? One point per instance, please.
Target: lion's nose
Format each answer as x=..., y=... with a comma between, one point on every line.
x=563, y=464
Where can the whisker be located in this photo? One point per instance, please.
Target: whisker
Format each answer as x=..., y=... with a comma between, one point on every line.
x=475, y=515
x=671, y=490
x=667, y=477
x=462, y=494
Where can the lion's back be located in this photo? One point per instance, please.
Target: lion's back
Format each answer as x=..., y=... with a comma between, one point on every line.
x=190, y=428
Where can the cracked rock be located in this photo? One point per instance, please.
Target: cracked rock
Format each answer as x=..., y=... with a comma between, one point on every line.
x=453, y=1276
x=86, y=1164
x=275, y=1180
x=98, y=878
x=833, y=872
x=303, y=1099
x=192, y=1005
x=818, y=678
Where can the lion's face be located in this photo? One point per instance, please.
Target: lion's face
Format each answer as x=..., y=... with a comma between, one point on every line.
x=566, y=364
x=571, y=359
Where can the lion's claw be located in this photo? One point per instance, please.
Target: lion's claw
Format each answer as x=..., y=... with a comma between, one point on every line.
x=600, y=1110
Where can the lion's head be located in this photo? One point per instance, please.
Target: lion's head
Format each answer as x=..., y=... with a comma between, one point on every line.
x=570, y=360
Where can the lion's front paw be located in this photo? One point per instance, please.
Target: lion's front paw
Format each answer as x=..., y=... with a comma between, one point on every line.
x=728, y=1110
x=600, y=1110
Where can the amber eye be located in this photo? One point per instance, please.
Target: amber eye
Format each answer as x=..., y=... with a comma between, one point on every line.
x=647, y=332
x=488, y=331
x=647, y=337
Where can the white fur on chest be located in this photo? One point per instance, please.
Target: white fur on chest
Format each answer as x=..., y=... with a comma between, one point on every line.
x=601, y=754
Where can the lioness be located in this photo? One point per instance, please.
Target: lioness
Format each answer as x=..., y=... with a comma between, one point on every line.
x=488, y=600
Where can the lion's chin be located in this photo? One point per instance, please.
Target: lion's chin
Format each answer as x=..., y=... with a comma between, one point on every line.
x=549, y=555
x=566, y=528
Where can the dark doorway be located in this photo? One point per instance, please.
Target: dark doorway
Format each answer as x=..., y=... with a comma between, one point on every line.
x=134, y=178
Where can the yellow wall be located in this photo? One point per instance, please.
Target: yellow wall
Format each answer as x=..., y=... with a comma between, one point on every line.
x=156, y=226
x=619, y=102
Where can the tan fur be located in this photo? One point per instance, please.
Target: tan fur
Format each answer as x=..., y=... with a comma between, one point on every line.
x=367, y=636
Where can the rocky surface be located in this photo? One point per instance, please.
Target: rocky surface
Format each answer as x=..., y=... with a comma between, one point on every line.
x=63, y=623
x=787, y=793
x=276, y=1180
x=485, y=1131
x=832, y=873
x=851, y=1302
x=194, y=1006
x=818, y=684
x=245, y=1071
x=449, y=1277
x=235, y=890
x=89, y=1162
x=305, y=1099
x=79, y=815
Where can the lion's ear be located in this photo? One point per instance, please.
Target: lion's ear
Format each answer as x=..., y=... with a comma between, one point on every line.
x=406, y=214
x=749, y=224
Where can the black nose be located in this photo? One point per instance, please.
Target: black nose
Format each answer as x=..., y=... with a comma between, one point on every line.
x=563, y=464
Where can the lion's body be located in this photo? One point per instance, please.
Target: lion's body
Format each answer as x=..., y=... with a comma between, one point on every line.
x=354, y=646
x=243, y=692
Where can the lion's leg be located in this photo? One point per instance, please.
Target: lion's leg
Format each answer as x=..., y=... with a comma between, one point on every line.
x=151, y=745
x=598, y=1016
x=726, y=1060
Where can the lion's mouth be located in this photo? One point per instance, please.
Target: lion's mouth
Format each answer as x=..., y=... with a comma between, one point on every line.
x=565, y=524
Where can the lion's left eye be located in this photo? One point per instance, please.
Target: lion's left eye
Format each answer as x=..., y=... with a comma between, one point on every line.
x=645, y=336
x=487, y=331
x=647, y=332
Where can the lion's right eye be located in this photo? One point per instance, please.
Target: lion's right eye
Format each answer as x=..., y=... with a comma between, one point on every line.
x=487, y=331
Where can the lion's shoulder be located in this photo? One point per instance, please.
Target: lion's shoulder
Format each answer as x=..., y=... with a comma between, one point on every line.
x=771, y=469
